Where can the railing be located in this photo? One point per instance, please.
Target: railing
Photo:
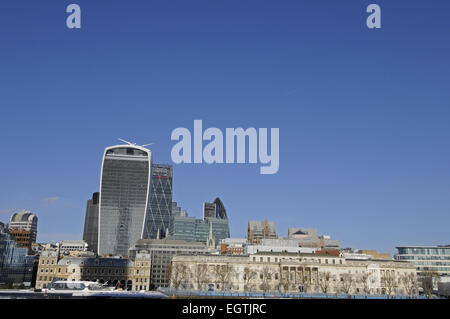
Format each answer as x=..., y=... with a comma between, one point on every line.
x=273, y=295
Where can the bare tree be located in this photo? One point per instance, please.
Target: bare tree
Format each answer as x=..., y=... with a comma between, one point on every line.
x=249, y=276
x=324, y=281
x=178, y=274
x=389, y=280
x=429, y=281
x=266, y=277
x=347, y=282
x=200, y=275
x=364, y=279
x=409, y=282
x=223, y=274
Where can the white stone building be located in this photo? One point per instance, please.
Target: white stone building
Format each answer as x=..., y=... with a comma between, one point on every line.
x=289, y=272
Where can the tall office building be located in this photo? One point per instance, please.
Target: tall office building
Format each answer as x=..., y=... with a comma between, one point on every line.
x=90, y=233
x=215, y=209
x=160, y=208
x=125, y=187
x=209, y=210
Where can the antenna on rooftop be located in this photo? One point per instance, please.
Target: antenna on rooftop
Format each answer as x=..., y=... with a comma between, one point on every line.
x=126, y=142
x=134, y=144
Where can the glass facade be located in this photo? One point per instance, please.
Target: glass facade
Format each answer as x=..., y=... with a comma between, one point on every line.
x=435, y=259
x=16, y=266
x=90, y=233
x=124, y=194
x=197, y=230
x=160, y=208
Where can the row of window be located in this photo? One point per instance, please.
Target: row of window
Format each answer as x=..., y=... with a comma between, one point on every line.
x=268, y=259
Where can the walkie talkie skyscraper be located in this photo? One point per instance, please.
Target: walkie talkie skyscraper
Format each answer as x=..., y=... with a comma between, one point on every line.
x=125, y=187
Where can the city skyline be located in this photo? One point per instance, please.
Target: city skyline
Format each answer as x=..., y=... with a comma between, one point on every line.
x=363, y=114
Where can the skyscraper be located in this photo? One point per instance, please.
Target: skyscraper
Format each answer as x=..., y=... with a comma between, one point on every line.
x=90, y=233
x=160, y=208
x=125, y=187
x=209, y=210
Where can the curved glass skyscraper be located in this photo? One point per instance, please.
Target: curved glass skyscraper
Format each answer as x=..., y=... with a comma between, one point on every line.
x=124, y=197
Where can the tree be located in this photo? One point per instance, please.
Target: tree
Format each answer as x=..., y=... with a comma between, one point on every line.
x=223, y=274
x=266, y=277
x=409, y=281
x=325, y=281
x=178, y=273
x=429, y=281
x=364, y=279
x=390, y=281
x=249, y=276
x=347, y=282
x=200, y=275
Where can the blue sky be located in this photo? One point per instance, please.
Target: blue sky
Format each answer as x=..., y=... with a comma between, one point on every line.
x=363, y=114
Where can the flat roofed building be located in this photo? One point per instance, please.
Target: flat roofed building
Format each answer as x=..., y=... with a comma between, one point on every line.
x=427, y=258
x=67, y=246
x=292, y=272
x=374, y=254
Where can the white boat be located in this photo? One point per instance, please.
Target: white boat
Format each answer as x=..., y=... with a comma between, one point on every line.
x=62, y=288
x=75, y=288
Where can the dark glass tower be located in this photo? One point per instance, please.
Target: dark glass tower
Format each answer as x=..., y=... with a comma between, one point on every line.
x=160, y=208
x=124, y=197
x=90, y=233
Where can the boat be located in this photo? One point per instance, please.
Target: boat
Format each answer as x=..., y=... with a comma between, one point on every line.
x=92, y=289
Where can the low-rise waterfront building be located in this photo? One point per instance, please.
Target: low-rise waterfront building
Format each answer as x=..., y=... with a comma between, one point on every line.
x=118, y=272
x=293, y=272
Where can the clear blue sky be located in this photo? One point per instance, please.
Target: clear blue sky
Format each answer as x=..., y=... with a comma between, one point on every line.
x=364, y=115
